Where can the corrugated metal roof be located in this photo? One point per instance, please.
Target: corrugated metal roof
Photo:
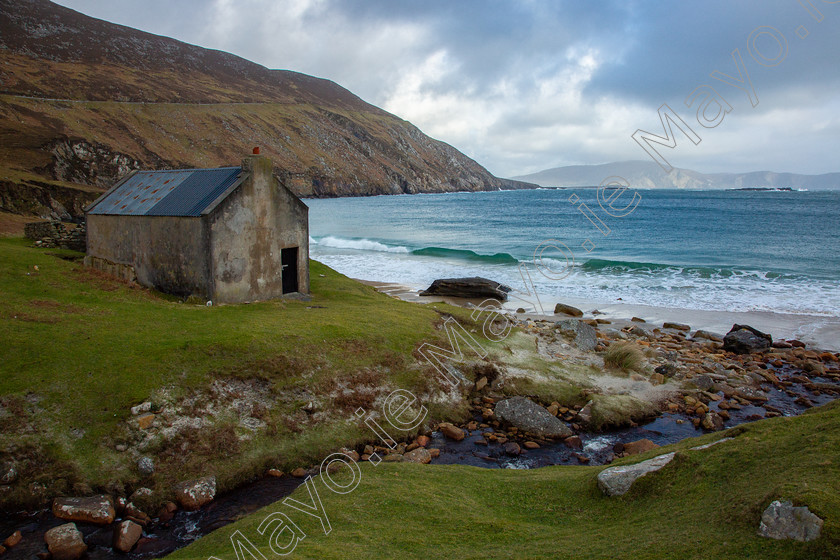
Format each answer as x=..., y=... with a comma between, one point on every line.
x=185, y=192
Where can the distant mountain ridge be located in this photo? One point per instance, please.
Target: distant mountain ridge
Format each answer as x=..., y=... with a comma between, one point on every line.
x=648, y=175
x=84, y=101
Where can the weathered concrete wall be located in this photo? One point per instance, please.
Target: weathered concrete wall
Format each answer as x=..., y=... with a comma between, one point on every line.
x=247, y=232
x=170, y=254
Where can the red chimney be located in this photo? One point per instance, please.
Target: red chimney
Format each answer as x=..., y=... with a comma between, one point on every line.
x=257, y=151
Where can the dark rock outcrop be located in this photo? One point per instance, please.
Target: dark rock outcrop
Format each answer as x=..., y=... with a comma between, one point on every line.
x=743, y=339
x=475, y=287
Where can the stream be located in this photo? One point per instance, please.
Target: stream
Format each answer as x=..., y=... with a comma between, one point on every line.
x=598, y=448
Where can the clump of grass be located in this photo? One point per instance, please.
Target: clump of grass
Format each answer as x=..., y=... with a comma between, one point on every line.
x=625, y=356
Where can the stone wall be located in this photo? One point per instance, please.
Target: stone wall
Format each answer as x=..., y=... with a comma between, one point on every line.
x=54, y=234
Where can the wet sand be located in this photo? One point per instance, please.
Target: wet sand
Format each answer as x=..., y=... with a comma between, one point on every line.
x=815, y=330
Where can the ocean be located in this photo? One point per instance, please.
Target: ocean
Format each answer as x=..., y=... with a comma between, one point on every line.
x=767, y=251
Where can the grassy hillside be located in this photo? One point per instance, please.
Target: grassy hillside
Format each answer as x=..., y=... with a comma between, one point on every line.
x=704, y=504
x=229, y=383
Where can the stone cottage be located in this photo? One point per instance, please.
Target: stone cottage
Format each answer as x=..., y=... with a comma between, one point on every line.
x=229, y=235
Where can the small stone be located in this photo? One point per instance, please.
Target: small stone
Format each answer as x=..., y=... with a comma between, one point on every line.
x=146, y=466
x=126, y=535
x=65, y=542
x=712, y=421
x=481, y=384
x=193, y=494
x=639, y=446
x=582, y=459
x=8, y=473
x=299, y=472
x=512, y=449
x=638, y=320
x=450, y=431
x=423, y=441
x=657, y=379
x=274, y=473
x=420, y=455
x=531, y=445
x=140, y=495
x=435, y=452
x=13, y=539
x=574, y=442
x=675, y=326
x=783, y=521
x=145, y=421
x=141, y=408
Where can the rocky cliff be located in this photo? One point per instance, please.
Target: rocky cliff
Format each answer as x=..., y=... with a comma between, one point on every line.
x=85, y=101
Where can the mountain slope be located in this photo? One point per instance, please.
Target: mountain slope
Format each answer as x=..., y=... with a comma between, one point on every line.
x=85, y=101
x=648, y=175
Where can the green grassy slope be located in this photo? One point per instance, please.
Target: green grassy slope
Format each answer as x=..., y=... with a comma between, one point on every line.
x=79, y=349
x=704, y=504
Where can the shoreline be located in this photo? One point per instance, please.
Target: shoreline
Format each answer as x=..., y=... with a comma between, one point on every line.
x=815, y=330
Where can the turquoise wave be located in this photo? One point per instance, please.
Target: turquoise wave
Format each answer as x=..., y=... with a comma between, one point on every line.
x=465, y=255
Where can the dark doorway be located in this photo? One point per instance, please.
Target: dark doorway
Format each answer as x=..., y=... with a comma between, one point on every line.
x=288, y=259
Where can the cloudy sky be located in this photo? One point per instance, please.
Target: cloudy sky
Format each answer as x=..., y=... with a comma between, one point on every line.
x=527, y=85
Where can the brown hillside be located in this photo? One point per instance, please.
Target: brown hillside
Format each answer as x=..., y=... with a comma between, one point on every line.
x=84, y=101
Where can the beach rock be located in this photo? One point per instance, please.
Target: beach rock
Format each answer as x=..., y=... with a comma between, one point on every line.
x=703, y=382
x=639, y=446
x=567, y=310
x=126, y=535
x=639, y=331
x=638, y=320
x=94, y=509
x=451, y=431
x=743, y=339
x=192, y=494
x=65, y=542
x=474, y=287
x=783, y=521
x=707, y=336
x=675, y=326
x=299, y=472
x=420, y=455
x=616, y=481
x=529, y=417
x=585, y=336
x=668, y=369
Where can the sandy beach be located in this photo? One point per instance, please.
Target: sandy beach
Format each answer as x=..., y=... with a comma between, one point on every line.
x=815, y=330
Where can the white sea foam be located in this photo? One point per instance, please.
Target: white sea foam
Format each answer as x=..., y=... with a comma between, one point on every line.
x=359, y=244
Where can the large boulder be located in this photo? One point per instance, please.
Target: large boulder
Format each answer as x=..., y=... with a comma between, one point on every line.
x=65, y=542
x=193, y=494
x=616, y=481
x=743, y=339
x=93, y=509
x=531, y=418
x=474, y=287
x=783, y=521
x=585, y=336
